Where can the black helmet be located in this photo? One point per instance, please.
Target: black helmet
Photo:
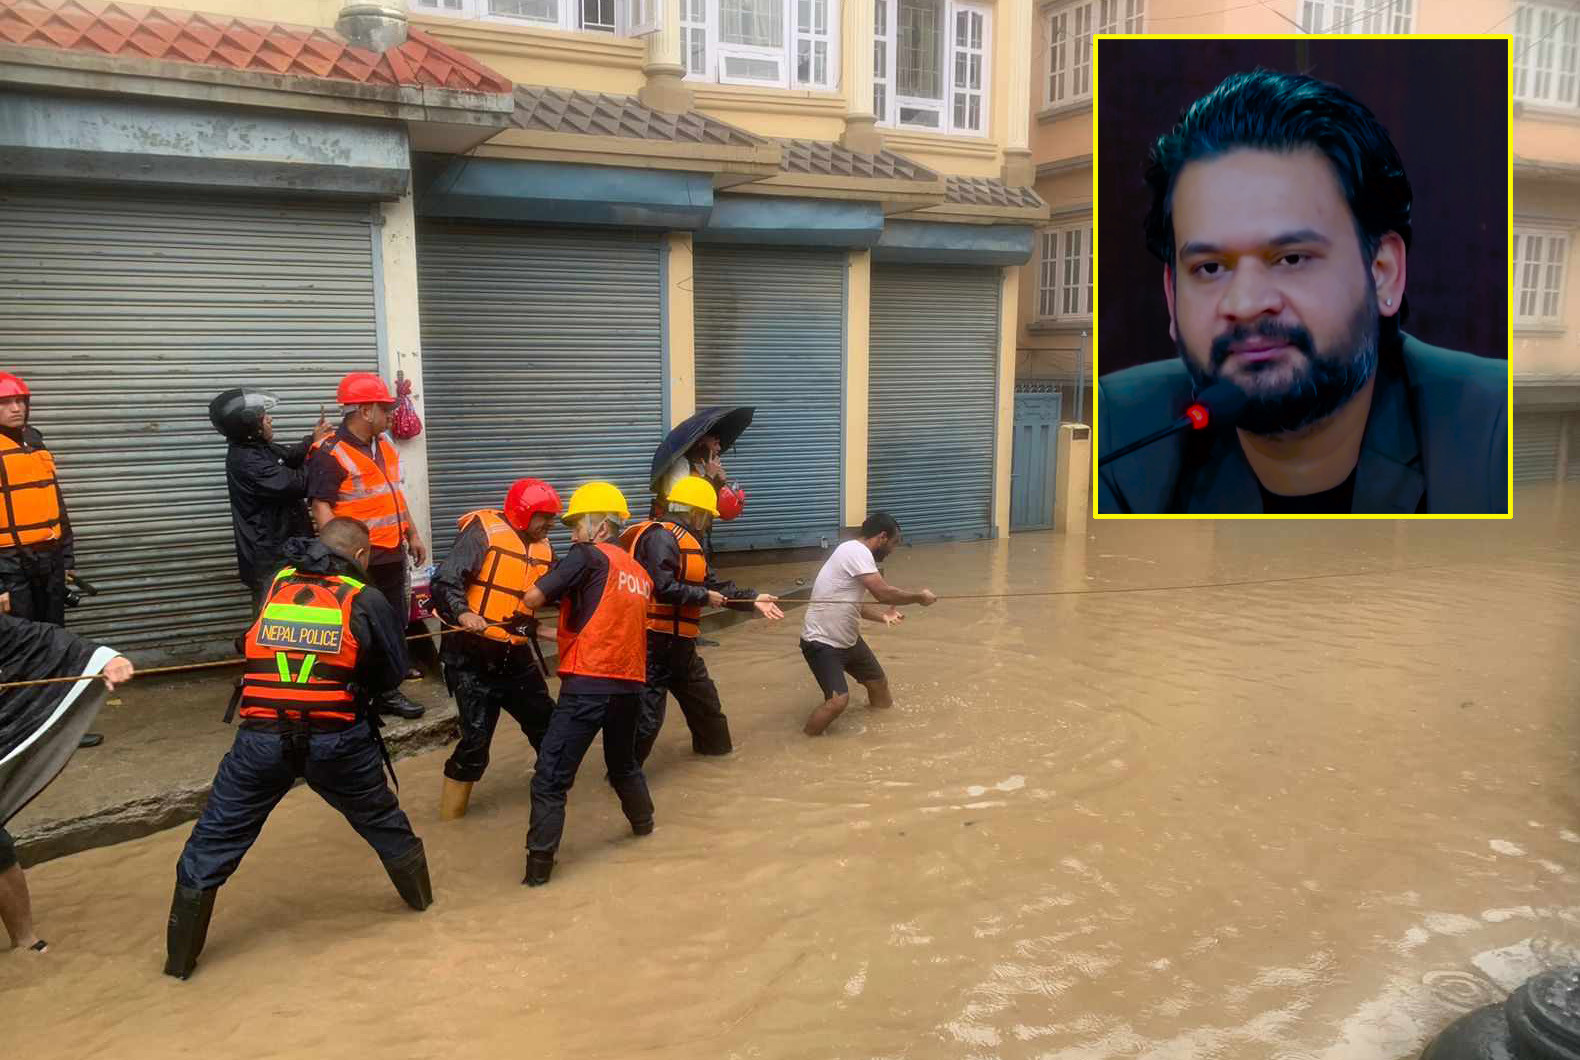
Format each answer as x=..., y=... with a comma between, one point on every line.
x=238, y=413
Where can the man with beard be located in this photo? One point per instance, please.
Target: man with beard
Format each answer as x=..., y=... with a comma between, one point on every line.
x=1281, y=213
x=831, y=639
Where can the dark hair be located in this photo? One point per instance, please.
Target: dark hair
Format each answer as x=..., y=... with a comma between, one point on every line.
x=1271, y=111
x=344, y=536
x=880, y=523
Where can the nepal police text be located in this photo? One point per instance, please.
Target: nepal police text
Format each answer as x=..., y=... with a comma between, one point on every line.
x=299, y=635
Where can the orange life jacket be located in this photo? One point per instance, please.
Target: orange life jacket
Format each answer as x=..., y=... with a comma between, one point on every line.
x=301, y=654
x=667, y=618
x=613, y=641
x=30, y=506
x=371, y=493
x=507, y=572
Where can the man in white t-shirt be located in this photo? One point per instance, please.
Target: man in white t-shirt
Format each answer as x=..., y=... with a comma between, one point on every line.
x=831, y=637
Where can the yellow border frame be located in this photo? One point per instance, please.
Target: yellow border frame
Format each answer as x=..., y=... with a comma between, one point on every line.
x=1097, y=39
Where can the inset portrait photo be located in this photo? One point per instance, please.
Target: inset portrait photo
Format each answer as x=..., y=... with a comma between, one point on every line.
x=1303, y=276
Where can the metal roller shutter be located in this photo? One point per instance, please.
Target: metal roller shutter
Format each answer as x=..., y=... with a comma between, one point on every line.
x=770, y=332
x=933, y=409
x=542, y=356
x=126, y=315
x=1536, y=446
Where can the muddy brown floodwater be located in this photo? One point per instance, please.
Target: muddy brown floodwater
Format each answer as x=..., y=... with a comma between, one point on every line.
x=1306, y=819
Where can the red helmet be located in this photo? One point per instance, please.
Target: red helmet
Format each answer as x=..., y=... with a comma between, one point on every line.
x=363, y=388
x=11, y=386
x=528, y=497
x=732, y=501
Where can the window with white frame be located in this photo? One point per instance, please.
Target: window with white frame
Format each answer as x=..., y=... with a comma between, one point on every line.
x=774, y=43
x=599, y=16
x=930, y=64
x=1540, y=260
x=1069, y=32
x=1065, y=273
x=1546, y=54
x=1357, y=16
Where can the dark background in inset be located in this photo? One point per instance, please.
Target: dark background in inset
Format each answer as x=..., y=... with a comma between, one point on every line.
x=1444, y=103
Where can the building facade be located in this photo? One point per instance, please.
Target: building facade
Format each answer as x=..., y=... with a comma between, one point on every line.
x=568, y=223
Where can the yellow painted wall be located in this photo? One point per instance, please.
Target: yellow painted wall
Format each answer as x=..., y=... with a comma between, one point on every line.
x=297, y=12
x=1068, y=135
x=1542, y=354
x=858, y=328
x=680, y=311
x=1041, y=352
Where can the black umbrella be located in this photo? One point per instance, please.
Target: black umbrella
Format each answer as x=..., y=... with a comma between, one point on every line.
x=721, y=420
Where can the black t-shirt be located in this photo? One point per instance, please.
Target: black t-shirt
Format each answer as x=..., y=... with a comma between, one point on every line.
x=1336, y=501
x=580, y=576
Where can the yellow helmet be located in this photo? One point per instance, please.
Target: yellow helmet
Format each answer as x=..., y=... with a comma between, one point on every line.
x=597, y=497
x=695, y=492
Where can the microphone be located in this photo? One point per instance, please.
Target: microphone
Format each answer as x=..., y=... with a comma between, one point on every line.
x=1220, y=405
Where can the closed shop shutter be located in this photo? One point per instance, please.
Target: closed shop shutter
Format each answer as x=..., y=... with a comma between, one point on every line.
x=770, y=332
x=933, y=409
x=542, y=357
x=126, y=315
x=1536, y=446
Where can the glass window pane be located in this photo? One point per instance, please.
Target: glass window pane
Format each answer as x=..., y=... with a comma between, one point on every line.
x=537, y=10
x=920, y=45
x=756, y=23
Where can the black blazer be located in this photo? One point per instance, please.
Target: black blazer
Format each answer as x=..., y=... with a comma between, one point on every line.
x=1436, y=441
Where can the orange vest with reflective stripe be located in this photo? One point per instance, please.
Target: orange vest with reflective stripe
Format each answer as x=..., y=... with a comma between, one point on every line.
x=613, y=641
x=507, y=572
x=301, y=654
x=30, y=509
x=370, y=493
x=668, y=618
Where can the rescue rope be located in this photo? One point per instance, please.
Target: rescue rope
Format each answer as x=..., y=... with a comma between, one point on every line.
x=1195, y=587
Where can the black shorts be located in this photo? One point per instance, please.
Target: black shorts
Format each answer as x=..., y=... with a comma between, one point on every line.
x=7, y=850
x=830, y=665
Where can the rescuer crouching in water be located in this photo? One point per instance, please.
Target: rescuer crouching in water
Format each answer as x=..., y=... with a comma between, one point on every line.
x=324, y=648
x=603, y=597
x=672, y=553
x=493, y=663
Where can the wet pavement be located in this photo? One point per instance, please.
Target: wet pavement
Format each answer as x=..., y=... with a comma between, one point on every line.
x=1316, y=811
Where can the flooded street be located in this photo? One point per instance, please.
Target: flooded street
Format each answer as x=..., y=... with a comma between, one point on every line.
x=1317, y=813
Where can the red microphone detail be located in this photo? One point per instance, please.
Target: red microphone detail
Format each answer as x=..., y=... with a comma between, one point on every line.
x=1197, y=414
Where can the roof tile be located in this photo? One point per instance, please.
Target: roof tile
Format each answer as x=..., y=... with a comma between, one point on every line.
x=828, y=158
x=988, y=191
x=559, y=110
x=117, y=29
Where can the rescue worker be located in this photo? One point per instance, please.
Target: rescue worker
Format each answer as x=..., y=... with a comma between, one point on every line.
x=603, y=598
x=493, y=663
x=267, y=483
x=40, y=726
x=37, y=549
x=671, y=552
x=356, y=474
x=323, y=644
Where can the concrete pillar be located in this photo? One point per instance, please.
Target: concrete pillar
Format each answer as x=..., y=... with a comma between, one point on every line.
x=665, y=88
x=1072, y=479
x=400, y=341
x=680, y=328
x=1015, y=34
x=861, y=125
x=858, y=329
x=1004, y=447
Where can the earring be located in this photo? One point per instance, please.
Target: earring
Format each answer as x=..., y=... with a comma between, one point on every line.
x=1387, y=301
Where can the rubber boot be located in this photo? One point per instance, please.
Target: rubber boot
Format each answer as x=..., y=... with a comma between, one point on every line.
x=539, y=868
x=635, y=803
x=409, y=874
x=453, y=800
x=190, y=910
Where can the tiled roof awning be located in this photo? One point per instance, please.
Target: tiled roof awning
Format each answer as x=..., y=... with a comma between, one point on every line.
x=985, y=191
x=596, y=128
x=155, y=33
